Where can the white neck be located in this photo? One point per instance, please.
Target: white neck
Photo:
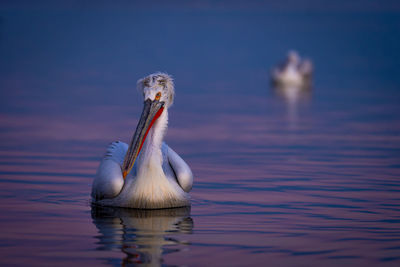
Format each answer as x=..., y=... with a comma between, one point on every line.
x=150, y=187
x=150, y=155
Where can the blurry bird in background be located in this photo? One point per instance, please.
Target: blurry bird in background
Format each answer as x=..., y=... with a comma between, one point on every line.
x=294, y=72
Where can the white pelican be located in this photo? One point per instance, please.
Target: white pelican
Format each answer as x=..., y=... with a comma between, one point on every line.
x=147, y=174
x=293, y=73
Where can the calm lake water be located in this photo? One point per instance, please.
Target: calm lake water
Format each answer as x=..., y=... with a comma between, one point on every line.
x=282, y=178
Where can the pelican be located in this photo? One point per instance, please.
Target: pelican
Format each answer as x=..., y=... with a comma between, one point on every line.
x=147, y=174
x=293, y=73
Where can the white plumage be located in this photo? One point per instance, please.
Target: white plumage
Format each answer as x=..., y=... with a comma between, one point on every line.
x=293, y=73
x=156, y=176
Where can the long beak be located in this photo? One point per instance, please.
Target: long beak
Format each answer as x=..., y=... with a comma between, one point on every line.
x=151, y=112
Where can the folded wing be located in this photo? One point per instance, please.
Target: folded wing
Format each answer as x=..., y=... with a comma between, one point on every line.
x=181, y=170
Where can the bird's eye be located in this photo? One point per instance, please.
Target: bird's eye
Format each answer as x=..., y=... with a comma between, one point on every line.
x=158, y=96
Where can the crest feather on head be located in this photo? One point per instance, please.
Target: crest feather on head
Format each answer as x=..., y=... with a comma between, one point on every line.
x=161, y=79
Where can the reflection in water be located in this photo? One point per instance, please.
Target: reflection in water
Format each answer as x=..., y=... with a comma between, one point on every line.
x=293, y=96
x=141, y=234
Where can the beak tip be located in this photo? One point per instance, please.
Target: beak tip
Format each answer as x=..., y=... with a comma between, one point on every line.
x=124, y=174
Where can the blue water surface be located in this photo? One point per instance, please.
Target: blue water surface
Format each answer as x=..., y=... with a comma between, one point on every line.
x=288, y=178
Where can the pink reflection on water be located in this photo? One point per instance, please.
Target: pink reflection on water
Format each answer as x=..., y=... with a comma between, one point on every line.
x=263, y=190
